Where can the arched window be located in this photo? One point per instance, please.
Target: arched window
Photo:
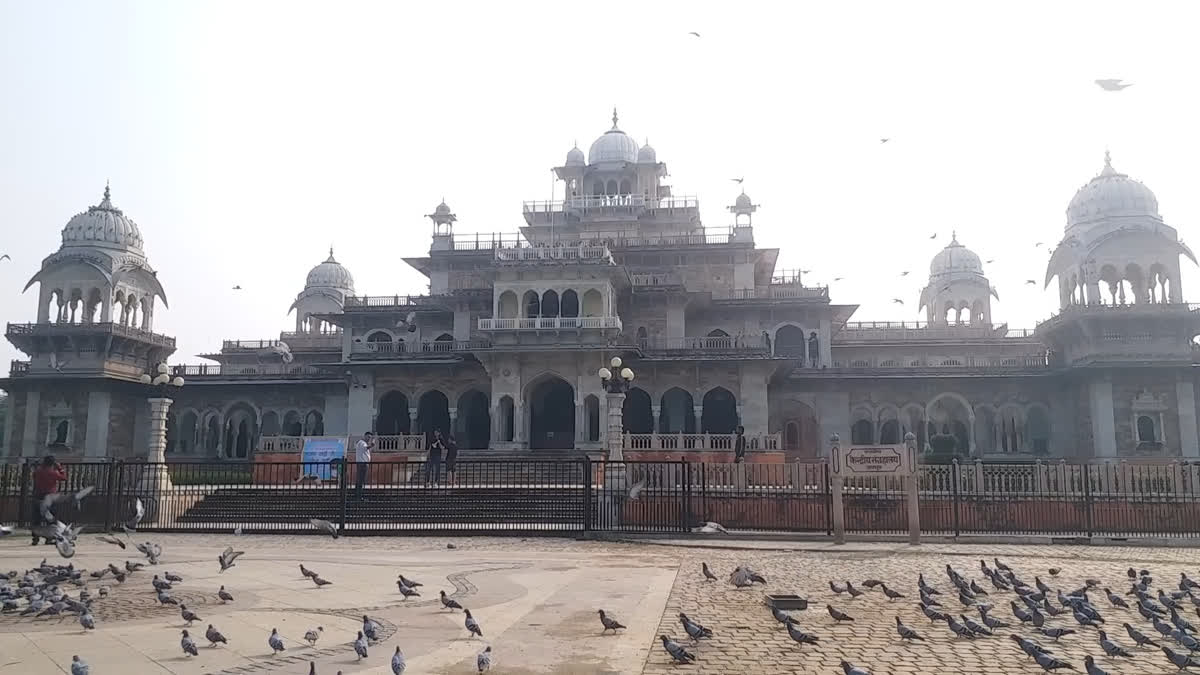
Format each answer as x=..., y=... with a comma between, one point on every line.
x=314, y=424
x=889, y=433
x=625, y=187
x=718, y=339
x=507, y=307
x=593, y=303
x=270, y=424
x=393, y=418
x=790, y=342
x=718, y=412
x=532, y=304
x=569, y=305
x=676, y=412
x=636, y=414
x=379, y=341
x=506, y=419
x=291, y=424
x=1146, y=429
x=550, y=303
x=591, y=408
x=862, y=433
x=612, y=187
x=1037, y=430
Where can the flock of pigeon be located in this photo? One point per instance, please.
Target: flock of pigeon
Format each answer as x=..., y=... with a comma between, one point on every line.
x=1049, y=614
x=44, y=590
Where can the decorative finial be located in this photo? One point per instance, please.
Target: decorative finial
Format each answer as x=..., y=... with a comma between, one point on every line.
x=954, y=236
x=331, y=250
x=1107, y=158
x=614, y=117
x=107, y=191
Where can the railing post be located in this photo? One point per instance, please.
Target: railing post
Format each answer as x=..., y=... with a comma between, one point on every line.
x=955, y=473
x=686, y=475
x=587, y=493
x=342, y=485
x=110, y=488
x=1087, y=500
x=25, y=470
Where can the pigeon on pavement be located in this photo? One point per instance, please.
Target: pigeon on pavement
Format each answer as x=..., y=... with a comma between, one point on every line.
x=398, y=662
x=310, y=574
x=370, y=629
x=449, y=602
x=324, y=526
x=79, y=666
x=276, y=643
x=188, y=645
x=851, y=669
x=837, y=614
x=406, y=591
x=483, y=662
x=224, y=595
x=907, y=633
x=1139, y=638
x=1111, y=648
x=693, y=629
x=409, y=582
x=800, y=636
x=1183, y=661
x=360, y=646
x=321, y=582
x=677, y=652
x=609, y=623
x=214, y=636
x=313, y=634
x=708, y=575
x=471, y=624
x=1049, y=663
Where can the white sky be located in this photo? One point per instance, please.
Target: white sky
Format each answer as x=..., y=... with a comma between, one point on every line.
x=245, y=138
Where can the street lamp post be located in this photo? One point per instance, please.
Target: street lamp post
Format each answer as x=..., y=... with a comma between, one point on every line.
x=162, y=386
x=616, y=383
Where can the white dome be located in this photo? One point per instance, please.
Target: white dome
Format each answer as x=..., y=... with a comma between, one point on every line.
x=330, y=274
x=1111, y=194
x=955, y=258
x=743, y=201
x=647, y=155
x=613, y=146
x=575, y=157
x=102, y=225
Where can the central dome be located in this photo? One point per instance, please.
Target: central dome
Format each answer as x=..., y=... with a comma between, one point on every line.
x=1111, y=195
x=330, y=274
x=613, y=146
x=102, y=225
x=955, y=258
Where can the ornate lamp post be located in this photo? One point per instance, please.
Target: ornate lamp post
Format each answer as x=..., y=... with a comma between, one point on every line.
x=162, y=387
x=616, y=382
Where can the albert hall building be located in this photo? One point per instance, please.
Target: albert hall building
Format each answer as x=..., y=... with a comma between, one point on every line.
x=504, y=349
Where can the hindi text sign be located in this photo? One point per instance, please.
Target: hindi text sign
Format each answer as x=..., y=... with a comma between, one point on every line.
x=873, y=460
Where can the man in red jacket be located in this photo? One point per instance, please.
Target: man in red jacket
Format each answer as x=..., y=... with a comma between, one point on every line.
x=45, y=482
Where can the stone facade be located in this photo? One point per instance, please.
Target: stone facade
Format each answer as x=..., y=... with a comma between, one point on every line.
x=504, y=350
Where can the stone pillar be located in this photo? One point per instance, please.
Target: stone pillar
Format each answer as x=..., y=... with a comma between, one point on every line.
x=453, y=421
x=95, y=438
x=360, y=412
x=655, y=411
x=31, y=436
x=614, y=439
x=9, y=421
x=412, y=421
x=1100, y=404
x=155, y=476
x=835, y=486
x=698, y=413
x=1189, y=440
x=337, y=406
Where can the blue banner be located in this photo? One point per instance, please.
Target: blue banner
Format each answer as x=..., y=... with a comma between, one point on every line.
x=322, y=455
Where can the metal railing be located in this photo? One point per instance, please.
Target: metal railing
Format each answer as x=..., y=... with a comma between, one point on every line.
x=734, y=344
x=613, y=239
x=785, y=291
x=1119, y=499
x=277, y=370
x=588, y=252
x=602, y=202
x=638, y=279
x=552, y=323
x=1028, y=362
x=16, y=329
x=402, y=348
x=385, y=302
x=921, y=330
x=684, y=441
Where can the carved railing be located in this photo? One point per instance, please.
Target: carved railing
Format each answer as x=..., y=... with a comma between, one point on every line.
x=552, y=323
x=698, y=442
x=18, y=329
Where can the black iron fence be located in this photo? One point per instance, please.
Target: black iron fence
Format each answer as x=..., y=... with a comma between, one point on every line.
x=573, y=496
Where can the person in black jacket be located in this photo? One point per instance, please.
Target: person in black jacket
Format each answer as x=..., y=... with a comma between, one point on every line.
x=739, y=445
x=451, y=458
x=433, y=463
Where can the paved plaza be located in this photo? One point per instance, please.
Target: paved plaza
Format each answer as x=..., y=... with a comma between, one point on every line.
x=536, y=600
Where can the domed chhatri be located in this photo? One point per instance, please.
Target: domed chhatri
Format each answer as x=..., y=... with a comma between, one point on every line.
x=1111, y=195
x=647, y=155
x=955, y=258
x=575, y=157
x=613, y=146
x=330, y=274
x=103, y=225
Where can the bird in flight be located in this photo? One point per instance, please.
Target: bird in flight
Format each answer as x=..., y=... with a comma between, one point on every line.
x=898, y=301
x=1113, y=84
x=237, y=288
x=1031, y=282
x=805, y=271
x=904, y=273
x=694, y=33
x=884, y=140
x=4, y=256
x=933, y=236
x=1038, y=245
x=838, y=278
x=737, y=180
x=989, y=262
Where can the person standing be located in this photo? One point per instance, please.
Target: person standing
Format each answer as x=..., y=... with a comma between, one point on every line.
x=362, y=461
x=451, y=458
x=739, y=445
x=433, y=463
x=45, y=482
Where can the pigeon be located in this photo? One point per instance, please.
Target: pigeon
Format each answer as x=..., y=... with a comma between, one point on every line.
x=139, y=512
x=370, y=629
x=974, y=627
x=1181, y=660
x=449, y=602
x=799, y=636
x=78, y=665
x=892, y=595
x=871, y=583
x=360, y=646
x=224, y=595
x=310, y=574
x=1113, y=84
x=897, y=301
x=1181, y=623
x=1115, y=600
x=708, y=575
x=112, y=540
x=406, y=591
x=483, y=662
x=313, y=634
x=159, y=584
x=174, y=578
x=836, y=589
x=399, y=664
x=959, y=629
x=132, y=567
x=609, y=623
x=1185, y=583
x=694, y=33
x=188, y=645
x=741, y=578
x=837, y=614
x=165, y=599
x=851, y=669
x=1185, y=640
x=1139, y=638
x=854, y=592
x=928, y=601
x=188, y=615
x=782, y=616
x=237, y=288
x=471, y=624
x=926, y=588
x=276, y=643
x=677, y=652
x=214, y=636
x=1056, y=632
x=227, y=557
x=409, y=582
x=710, y=527
x=693, y=629
x=1089, y=665
x=991, y=622
x=87, y=621
x=1085, y=620
x=637, y=488
x=324, y=526
x=1049, y=663
x=907, y=633
x=932, y=614
x=1111, y=648
x=321, y=582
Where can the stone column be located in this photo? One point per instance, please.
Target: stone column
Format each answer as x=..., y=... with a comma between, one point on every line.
x=412, y=421
x=453, y=421
x=95, y=440
x=698, y=413
x=1100, y=403
x=1189, y=439
x=614, y=440
x=31, y=435
x=155, y=476
x=655, y=412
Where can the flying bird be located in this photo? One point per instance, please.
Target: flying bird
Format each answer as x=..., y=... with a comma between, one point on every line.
x=4, y=256
x=1030, y=282
x=884, y=140
x=227, y=557
x=237, y=288
x=904, y=273
x=324, y=526
x=898, y=301
x=737, y=180
x=1113, y=84
x=933, y=236
x=694, y=33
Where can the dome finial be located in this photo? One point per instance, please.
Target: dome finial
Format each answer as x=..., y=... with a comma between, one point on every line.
x=614, y=117
x=330, y=254
x=107, y=190
x=954, y=236
x=1108, y=169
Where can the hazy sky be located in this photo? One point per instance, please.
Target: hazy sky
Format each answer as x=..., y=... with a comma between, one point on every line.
x=246, y=137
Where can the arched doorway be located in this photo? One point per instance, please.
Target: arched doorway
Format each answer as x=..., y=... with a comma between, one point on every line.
x=719, y=413
x=291, y=424
x=506, y=419
x=473, y=427
x=591, y=409
x=270, y=424
x=636, y=414
x=800, y=432
x=677, y=412
x=241, y=429
x=187, y=431
x=392, y=418
x=314, y=424
x=433, y=414
x=790, y=341
x=551, y=407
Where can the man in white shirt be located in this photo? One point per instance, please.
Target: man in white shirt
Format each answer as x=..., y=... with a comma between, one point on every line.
x=362, y=461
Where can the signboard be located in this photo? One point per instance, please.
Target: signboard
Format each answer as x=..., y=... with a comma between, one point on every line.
x=873, y=460
x=322, y=455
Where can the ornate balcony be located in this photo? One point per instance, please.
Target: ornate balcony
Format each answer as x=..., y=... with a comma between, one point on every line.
x=414, y=350
x=899, y=331
x=276, y=371
x=576, y=209
x=582, y=252
x=705, y=347
x=24, y=331
x=981, y=364
x=552, y=323
x=773, y=292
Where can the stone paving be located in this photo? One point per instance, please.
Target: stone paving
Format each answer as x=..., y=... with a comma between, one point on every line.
x=536, y=599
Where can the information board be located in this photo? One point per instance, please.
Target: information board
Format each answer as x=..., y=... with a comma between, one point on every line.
x=873, y=460
x=322, y=455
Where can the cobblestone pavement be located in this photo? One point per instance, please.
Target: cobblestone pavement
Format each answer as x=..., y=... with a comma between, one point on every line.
x=537, y=598
x=748, y=639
